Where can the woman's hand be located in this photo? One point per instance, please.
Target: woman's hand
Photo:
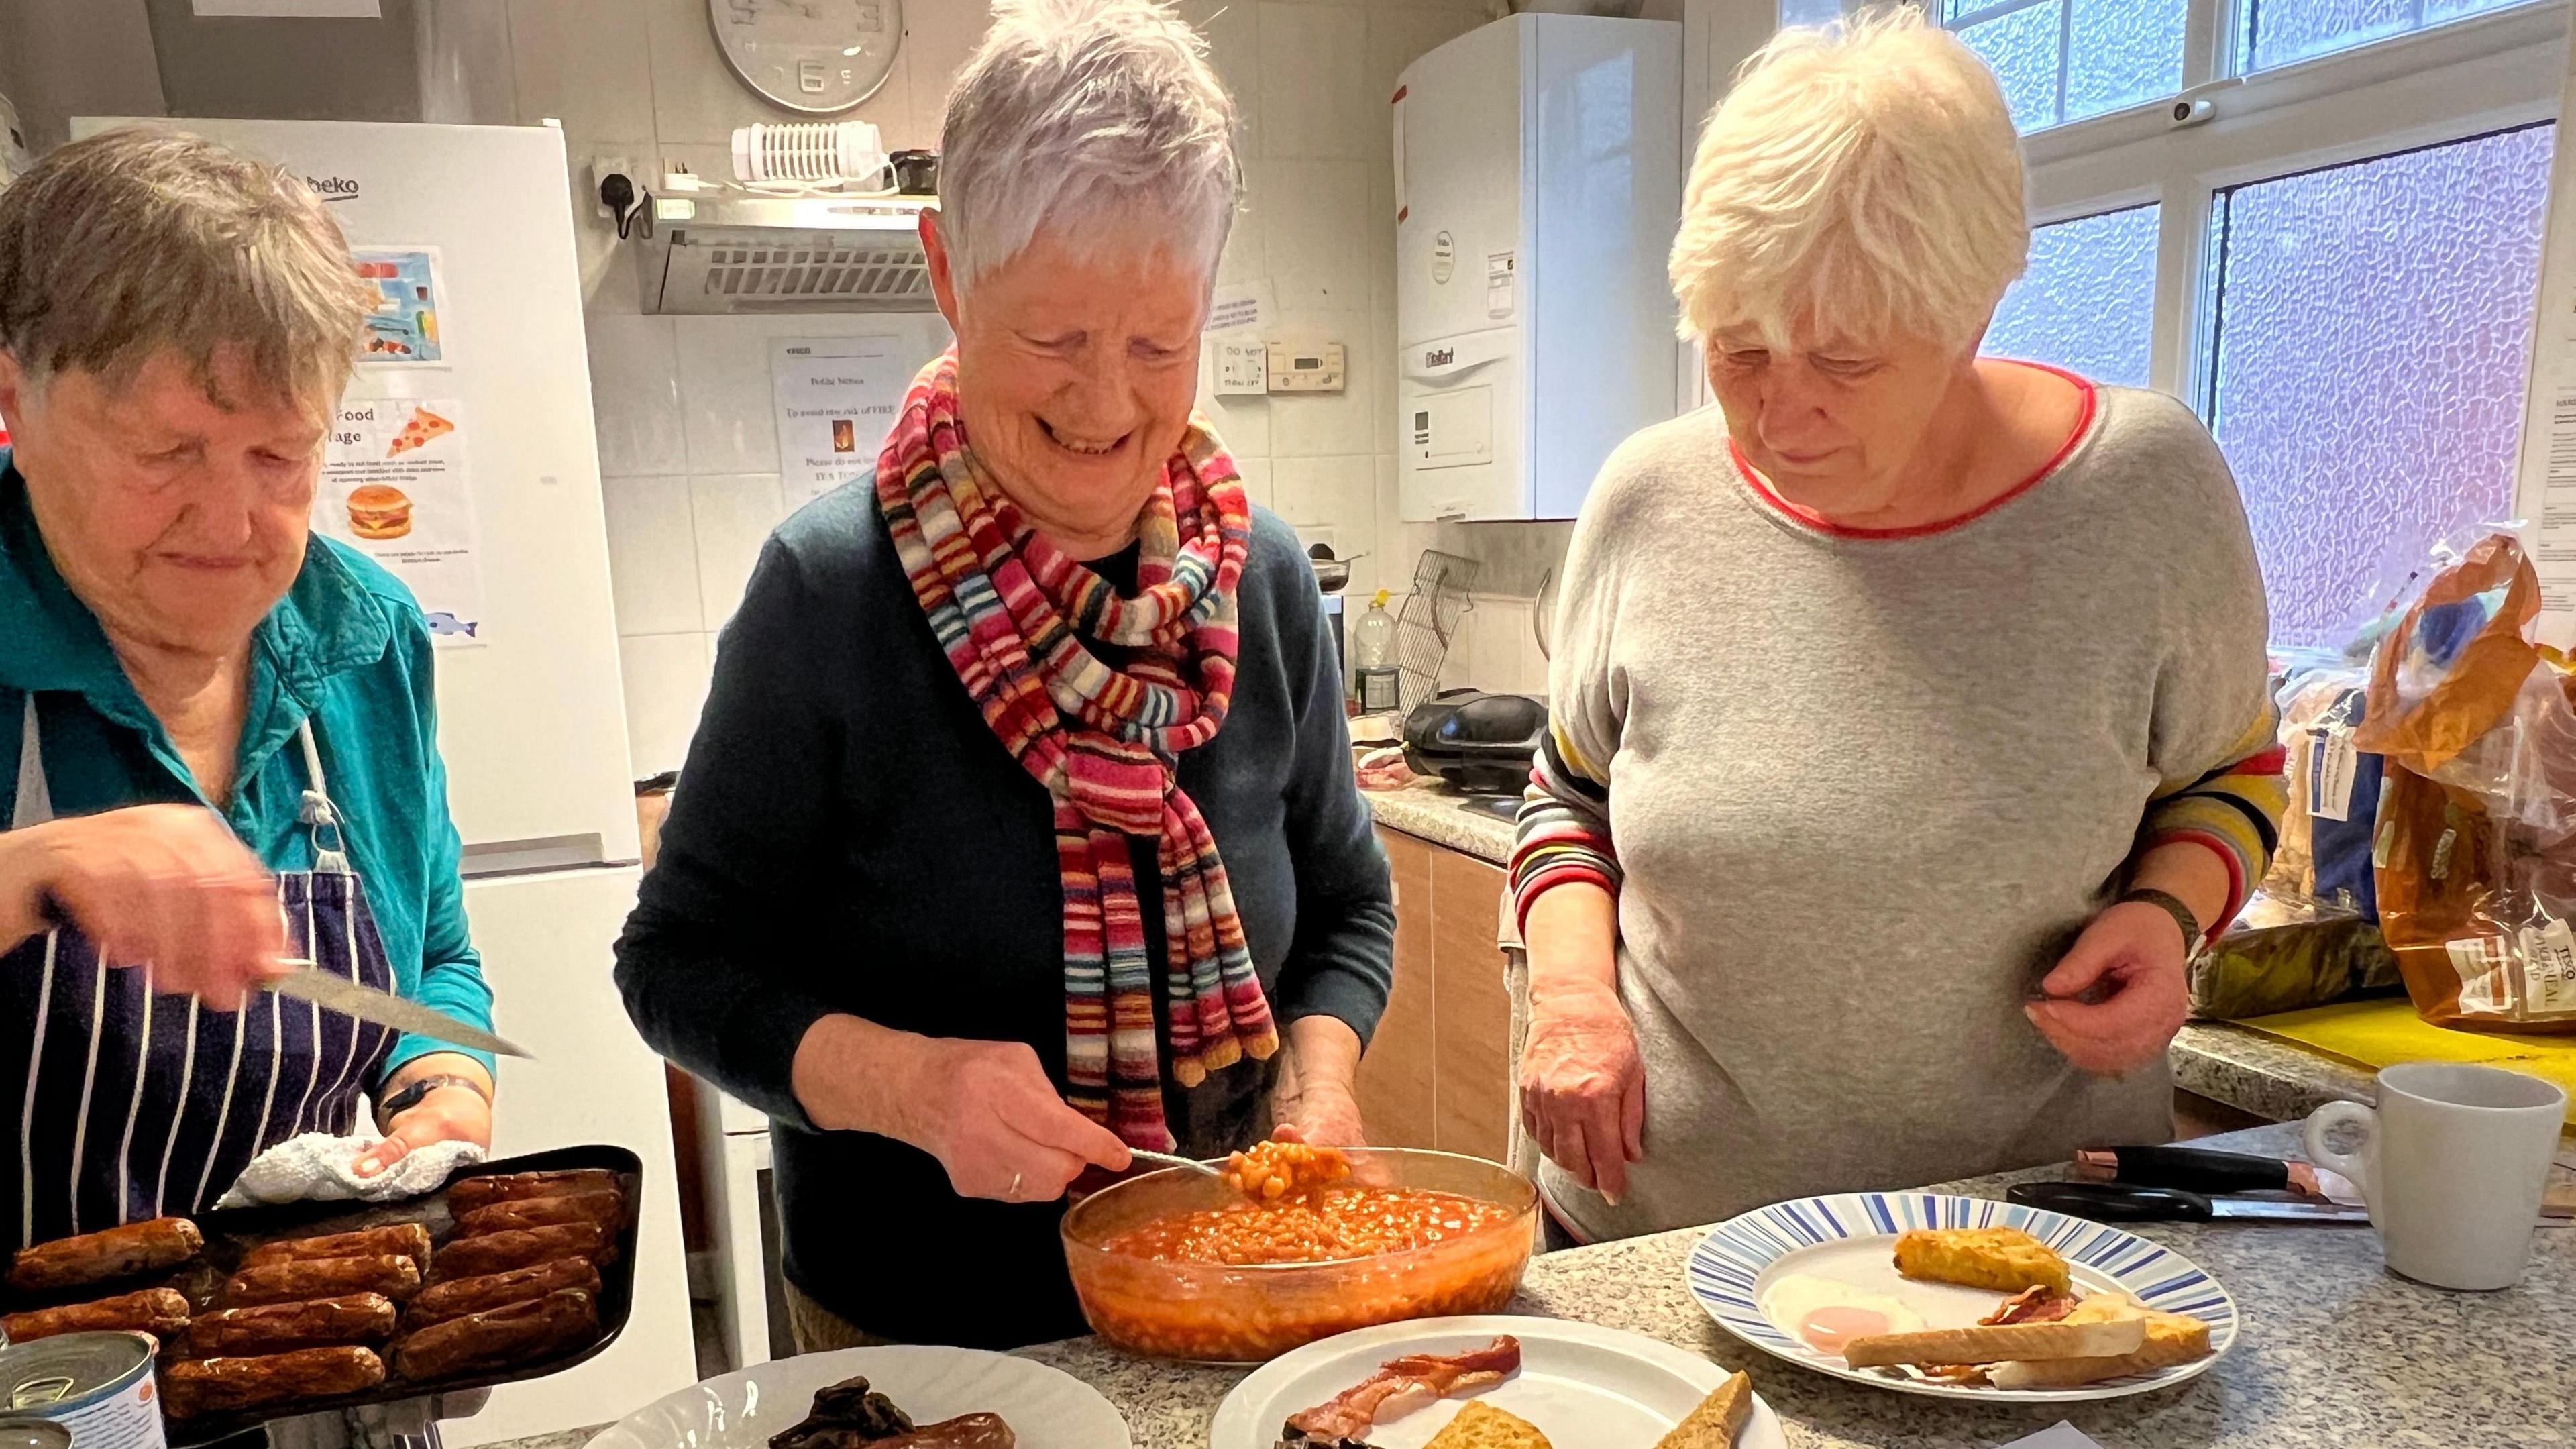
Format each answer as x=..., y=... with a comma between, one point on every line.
x=166, y=887
x=2120, y=994
x=985, y=1109
x=444, y=1114
x=1583, y=1087
x=1317, y=1099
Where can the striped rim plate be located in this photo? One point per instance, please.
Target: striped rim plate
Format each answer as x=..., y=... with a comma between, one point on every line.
x=1731, y=1267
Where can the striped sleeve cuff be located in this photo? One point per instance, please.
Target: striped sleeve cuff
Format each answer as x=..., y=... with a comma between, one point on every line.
x=2234, y=811
x=1563, y=831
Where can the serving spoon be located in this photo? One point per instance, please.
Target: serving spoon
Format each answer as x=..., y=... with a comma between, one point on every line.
x=1166, y=1159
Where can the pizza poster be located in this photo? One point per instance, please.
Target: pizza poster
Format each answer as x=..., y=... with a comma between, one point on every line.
x=403, y=327
x=394, y=487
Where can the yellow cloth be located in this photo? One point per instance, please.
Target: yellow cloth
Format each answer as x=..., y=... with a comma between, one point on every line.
x=2386, y=1031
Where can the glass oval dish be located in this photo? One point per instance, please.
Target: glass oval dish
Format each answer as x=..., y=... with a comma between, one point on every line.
x=1221, y=1313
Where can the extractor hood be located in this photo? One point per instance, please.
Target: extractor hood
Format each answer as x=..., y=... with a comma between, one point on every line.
x=738, y=252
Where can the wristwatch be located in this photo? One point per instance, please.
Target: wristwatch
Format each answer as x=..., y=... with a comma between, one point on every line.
x=409, y=1097
x=2172, y=906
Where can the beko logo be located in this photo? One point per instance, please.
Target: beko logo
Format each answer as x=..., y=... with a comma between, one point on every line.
x=1440, y=357
x=333, y=188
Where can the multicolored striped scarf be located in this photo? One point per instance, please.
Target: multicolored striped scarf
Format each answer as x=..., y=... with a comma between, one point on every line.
x=1014, y=615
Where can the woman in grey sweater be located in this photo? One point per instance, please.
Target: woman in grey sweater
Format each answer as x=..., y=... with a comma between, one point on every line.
x=1909, y=719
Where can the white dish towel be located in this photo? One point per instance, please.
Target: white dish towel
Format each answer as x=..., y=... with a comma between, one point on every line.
x=318, y=1167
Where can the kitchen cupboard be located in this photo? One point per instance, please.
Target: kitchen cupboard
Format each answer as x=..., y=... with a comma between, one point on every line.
x=1438, y=1072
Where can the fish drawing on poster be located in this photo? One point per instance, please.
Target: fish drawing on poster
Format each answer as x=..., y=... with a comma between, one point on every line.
x=394, y=487
x=837, y=397
x=403, y=328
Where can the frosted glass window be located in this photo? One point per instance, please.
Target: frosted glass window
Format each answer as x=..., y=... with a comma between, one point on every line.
x=2022, y=48
x=2064, y=60
x=2279, y=32
x=2367, y=358
x=1810, y=12
x=2087, y=303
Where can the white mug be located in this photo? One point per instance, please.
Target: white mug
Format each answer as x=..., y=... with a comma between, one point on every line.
x=2452, y=1164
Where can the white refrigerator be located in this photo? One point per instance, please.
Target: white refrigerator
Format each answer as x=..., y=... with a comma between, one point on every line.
x=472, y=226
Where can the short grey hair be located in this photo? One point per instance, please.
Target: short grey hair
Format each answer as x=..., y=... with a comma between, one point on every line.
x=1865, y=178
x=1088, y=114
x=143, y=239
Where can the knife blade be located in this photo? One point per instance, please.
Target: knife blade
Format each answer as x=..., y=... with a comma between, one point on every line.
x=2125, y=1202
x=2202, y=1170
x=366, y=1003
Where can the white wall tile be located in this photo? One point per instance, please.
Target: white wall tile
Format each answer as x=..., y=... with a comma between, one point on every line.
x=1256, y=480
x=652, y=555
x=1339, y=494
x=635, y=395
x=1314, y=217
x=666, y=685
x=727, y=404
x=1233, y=31
x=734, y=515
x=585, y=63
x=938, y=36
x=1315, y=80
x=1355, y=420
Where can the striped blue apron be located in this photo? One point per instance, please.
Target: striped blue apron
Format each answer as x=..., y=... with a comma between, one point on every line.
x=131, y=1103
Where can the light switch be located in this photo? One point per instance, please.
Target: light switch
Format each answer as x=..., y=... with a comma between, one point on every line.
x=1242, y=368
x=1306, y=368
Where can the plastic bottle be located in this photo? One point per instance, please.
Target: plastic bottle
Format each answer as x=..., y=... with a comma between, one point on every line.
x=1373, y=658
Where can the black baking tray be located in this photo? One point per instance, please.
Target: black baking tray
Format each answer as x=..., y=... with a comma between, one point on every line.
x=232, y=1232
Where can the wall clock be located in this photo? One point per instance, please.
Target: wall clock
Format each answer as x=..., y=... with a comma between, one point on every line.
x=820, y=57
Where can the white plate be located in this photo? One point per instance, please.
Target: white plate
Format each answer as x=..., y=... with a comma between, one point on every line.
x=1046, y=1408
x=1849, y=1237
x=1584, y=1387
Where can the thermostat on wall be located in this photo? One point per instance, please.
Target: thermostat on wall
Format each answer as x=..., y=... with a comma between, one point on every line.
x=1306, y=369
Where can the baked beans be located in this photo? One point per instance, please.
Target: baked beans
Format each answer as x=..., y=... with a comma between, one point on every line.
x=1319, y=1226
x=1270, y=1171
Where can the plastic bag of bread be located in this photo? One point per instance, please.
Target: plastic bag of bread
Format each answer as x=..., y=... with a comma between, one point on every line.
x=2288, y=956
x=2476, y=851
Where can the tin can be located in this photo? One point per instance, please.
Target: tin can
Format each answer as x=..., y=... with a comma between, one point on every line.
x=97, y=1386
x=34, y=1434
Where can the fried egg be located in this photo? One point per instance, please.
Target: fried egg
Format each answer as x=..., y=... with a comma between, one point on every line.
x=1827, y=1313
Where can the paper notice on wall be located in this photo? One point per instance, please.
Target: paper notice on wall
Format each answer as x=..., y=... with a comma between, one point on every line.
x=394, y=487
x=403, y=327
x=2546, y=497
x=1244, y=307
x=837, y=397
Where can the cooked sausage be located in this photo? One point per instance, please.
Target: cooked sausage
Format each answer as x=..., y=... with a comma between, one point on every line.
x=278, y=1327
x=520, y=1248
x=195, y=1387
x=297, y=1282
x=161, y=1312
x=457, y=1297
x=520, y=1333
x=607, y=1209
x=467, y=1194
x=97, y=1257
x=403, y=1240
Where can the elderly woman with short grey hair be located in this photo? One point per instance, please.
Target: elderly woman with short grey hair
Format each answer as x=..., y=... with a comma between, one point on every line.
x=1019, y=830
x=1908, y=716
x=221, y=752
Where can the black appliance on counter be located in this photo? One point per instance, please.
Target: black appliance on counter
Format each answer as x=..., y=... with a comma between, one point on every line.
x=1482, y=743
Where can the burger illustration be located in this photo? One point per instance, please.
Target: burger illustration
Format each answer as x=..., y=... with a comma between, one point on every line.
x=377, y=511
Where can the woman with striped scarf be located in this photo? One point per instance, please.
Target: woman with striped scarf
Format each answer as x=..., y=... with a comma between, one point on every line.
x=1020, y=828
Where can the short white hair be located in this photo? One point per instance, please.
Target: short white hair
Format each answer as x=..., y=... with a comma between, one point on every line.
x=1099, y=116
x=1858, y=183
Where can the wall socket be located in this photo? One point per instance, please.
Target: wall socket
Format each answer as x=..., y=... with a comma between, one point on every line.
x=603, y=167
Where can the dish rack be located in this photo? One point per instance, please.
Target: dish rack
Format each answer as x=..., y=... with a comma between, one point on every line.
x=1441, y=600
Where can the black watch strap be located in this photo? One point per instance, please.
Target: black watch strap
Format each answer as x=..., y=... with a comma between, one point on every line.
x=409, y=1097
x=2172, y=906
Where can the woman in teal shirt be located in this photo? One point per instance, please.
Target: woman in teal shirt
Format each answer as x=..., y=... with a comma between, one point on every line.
x=225, y=752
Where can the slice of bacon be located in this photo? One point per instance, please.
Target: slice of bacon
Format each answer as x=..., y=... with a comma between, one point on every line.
x=2035, y=1304
x=1402, y=1385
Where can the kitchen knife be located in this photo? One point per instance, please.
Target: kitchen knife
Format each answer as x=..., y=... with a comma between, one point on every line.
x=366, y=1003
x=2198, y=1169
x=2124, y=1202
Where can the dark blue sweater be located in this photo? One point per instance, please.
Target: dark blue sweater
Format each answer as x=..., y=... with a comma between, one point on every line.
x=849, y=836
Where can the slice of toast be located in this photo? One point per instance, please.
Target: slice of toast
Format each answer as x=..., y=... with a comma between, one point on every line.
x=1717, y=1420
x=1941, y=1346
x=2171, y=1338
x=1482, y=1426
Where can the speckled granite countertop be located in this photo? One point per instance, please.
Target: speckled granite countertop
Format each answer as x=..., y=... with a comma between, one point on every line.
x=2247, y=1070
x=2335, y=1351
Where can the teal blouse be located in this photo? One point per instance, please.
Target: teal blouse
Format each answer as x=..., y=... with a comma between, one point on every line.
x=345, y=648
